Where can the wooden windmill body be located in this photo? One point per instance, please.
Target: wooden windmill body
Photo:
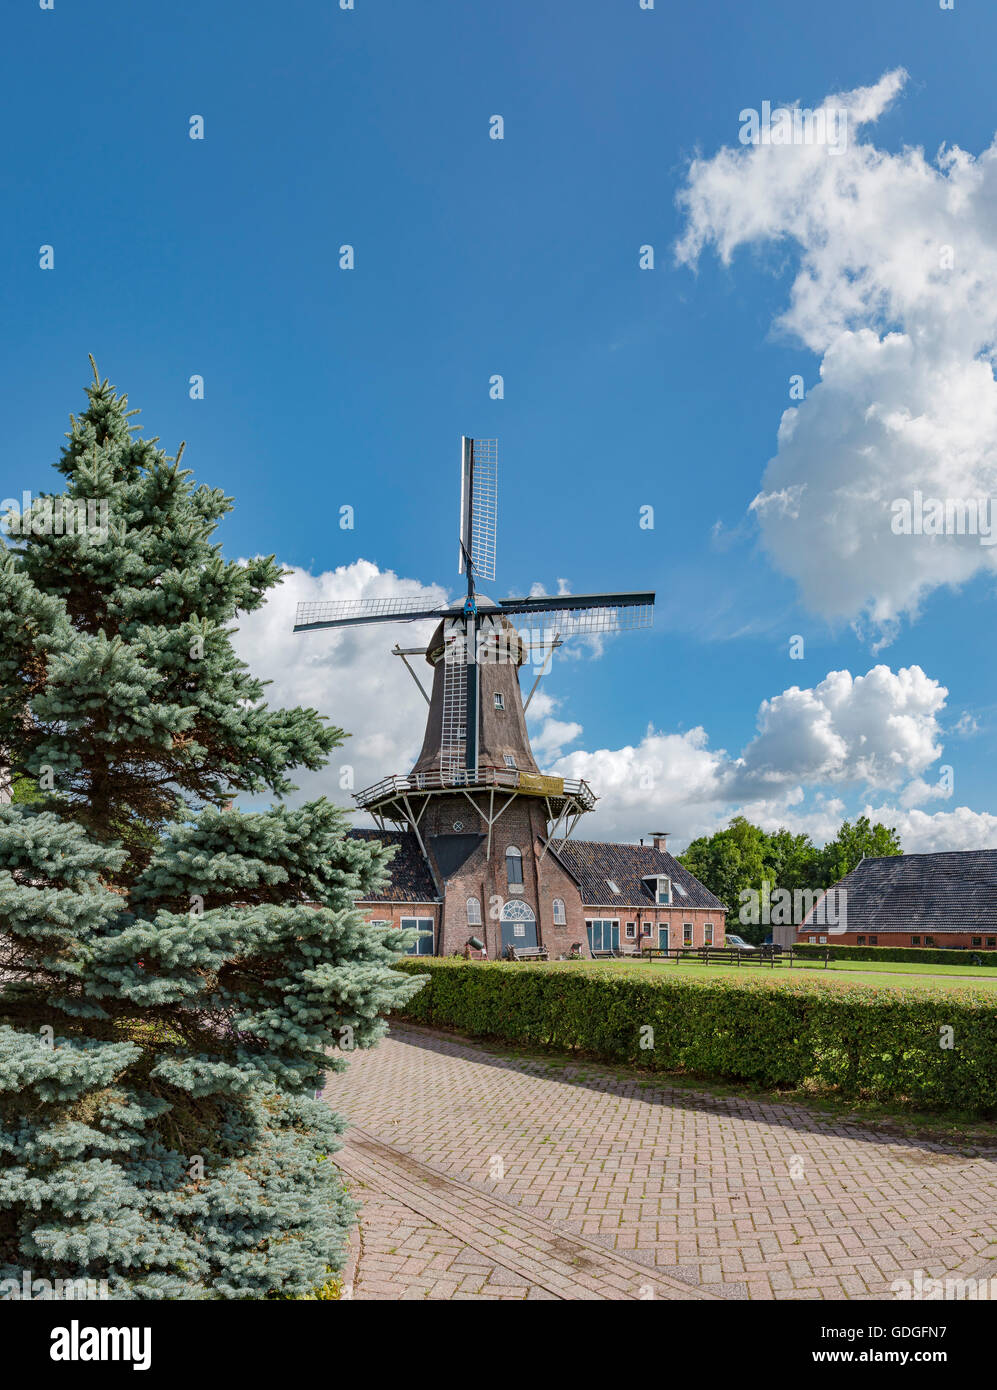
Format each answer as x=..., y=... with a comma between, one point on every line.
x=483, y=813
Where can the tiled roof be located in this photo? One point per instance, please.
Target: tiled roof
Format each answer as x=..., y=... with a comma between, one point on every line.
x=954, y=891
x=593, y=863
x=410, y=880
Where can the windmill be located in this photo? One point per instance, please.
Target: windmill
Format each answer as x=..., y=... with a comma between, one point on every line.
x=467, y=748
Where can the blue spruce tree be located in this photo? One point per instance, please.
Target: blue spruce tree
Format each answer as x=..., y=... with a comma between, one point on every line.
x=176, y=977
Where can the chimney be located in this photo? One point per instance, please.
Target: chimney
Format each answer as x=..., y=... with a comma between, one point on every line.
x=659, y=839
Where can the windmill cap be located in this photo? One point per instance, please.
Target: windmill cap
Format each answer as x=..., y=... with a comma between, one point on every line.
x=483, y=602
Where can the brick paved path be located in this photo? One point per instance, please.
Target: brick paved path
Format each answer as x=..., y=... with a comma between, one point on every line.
x=489, y=1176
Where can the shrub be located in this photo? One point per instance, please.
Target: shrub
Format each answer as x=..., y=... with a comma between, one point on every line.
x=857, y=1040
x=918, y=955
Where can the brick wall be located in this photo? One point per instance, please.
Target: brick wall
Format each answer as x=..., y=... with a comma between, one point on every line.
x=674, y=918
x=938, y=938
x=394, y=912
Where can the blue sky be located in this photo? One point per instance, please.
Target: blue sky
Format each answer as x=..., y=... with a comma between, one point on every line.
x=473, y=256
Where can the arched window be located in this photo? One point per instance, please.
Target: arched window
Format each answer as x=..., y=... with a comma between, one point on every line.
x=473, y=912
x=559, y=917
x=514, y=864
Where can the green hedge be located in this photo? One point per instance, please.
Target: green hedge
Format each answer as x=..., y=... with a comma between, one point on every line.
x=860, y=1041
x=918, y=955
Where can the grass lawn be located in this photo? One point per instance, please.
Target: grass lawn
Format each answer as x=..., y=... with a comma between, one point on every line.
x=902, y=975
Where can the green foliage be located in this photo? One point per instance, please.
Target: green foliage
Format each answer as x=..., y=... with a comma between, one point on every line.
x=24, y=792
x=854, y=1040
x=174, y=974
x=743, y=856
x=917, y=955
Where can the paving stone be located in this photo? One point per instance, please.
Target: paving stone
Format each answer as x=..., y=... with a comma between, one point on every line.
x=608, y=1183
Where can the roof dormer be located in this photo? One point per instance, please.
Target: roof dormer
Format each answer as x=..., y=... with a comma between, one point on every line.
x=661, y=888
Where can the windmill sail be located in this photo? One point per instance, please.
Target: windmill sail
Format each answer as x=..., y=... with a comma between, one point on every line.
x=580, y=613
x=347, y=611
x=478, y=506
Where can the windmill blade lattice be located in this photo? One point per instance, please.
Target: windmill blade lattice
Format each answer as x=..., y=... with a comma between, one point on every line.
x=582, y=613
x=342, y=612
x=479, y=506
x=453, y=744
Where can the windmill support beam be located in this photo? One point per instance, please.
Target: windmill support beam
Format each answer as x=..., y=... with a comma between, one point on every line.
x=573, y=811
x=397, y=651
x=556, y=643
x=414, y=822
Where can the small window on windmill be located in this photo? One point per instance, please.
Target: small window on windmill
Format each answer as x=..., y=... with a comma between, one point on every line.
x=499, y=700
x=510, y=761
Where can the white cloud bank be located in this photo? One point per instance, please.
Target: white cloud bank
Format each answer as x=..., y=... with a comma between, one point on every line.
x=896, y=293
x=875, y=735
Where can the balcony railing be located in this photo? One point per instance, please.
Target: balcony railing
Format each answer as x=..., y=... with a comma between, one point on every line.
x=487, y=778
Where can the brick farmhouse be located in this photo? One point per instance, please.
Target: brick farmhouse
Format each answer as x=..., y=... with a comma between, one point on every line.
x=588, y=893
x=944, y=899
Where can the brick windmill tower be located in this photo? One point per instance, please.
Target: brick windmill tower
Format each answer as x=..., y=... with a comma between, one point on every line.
x=482, y=813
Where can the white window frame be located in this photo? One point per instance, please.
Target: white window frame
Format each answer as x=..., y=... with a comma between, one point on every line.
x=499, y=700
x=560, y=915
x=510, y=762
x=707, y=933
x=689, y=927
x=631, y=931
x=422, y=924
x=474, y=912
x=603, y=922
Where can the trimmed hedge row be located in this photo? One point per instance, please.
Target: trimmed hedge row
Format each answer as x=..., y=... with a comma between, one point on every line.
x=857, y=1040
x=918, y=955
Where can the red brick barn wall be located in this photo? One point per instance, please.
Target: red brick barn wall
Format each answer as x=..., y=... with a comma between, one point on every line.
x=936, y=939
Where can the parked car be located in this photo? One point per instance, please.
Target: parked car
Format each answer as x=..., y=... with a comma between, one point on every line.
x=738, y=943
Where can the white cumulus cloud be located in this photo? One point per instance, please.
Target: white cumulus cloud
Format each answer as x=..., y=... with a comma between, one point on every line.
x=896, y=293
